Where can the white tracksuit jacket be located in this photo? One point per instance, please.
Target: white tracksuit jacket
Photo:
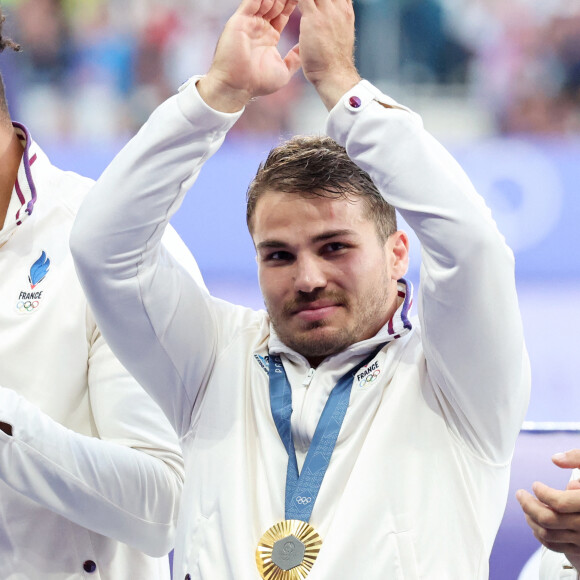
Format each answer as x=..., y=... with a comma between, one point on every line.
x=417, y=484
x=90, y=454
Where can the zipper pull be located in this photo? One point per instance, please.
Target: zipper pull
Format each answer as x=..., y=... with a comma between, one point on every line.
x=308, y=379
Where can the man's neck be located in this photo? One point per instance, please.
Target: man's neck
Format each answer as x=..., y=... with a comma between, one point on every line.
x=10, y=156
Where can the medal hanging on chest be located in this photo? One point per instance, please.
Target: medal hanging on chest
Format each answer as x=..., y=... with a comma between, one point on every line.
x=288, y=550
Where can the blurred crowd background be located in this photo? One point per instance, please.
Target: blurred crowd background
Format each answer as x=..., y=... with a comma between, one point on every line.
x=96, y=68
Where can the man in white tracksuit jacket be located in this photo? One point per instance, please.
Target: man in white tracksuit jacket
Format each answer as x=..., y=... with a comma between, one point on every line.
x=90, y=469
x=418, y=478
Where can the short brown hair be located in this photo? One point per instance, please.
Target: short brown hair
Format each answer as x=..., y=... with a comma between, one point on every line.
x=319, y=167
x=6, y=42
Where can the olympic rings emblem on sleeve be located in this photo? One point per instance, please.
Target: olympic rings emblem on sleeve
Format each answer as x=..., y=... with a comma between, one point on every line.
x=370, y=378
x=27, y=305
x=303, y=500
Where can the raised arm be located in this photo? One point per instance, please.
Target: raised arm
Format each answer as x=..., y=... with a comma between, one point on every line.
x=156, y=318
x=471, y=326
x=327, y=48
x=247, y=63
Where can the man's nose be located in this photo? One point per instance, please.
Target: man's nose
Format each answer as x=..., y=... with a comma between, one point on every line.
x=310, y=274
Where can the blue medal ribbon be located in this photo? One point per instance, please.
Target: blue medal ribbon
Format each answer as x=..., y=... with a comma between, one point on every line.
x=302, y=489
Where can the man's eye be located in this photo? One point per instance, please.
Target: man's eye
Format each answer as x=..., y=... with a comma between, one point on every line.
x=280, y=256
x=334, y=247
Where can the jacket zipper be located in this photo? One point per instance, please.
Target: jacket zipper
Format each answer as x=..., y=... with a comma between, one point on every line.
x=308, y=378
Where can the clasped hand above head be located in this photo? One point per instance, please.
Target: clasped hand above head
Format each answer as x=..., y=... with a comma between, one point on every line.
x=553, y=514
x=247, y=62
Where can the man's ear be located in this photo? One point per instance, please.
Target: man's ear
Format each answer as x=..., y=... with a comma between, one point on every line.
x=398, y=248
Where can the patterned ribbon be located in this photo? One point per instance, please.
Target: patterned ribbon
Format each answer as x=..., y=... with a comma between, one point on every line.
x=302, y=489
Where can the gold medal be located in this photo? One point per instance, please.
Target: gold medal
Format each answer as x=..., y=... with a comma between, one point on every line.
x=287, y=551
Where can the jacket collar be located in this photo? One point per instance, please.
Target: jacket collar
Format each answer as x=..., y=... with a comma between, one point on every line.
x=24, y=189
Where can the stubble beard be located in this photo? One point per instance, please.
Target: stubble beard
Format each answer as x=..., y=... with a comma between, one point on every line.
x=312, y=342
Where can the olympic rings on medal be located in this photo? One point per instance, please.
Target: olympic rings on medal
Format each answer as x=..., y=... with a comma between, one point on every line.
x=370, y=378
x=303, y=500
x=27, y=305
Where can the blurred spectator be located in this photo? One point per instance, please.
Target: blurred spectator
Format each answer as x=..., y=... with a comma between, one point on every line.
x=41, y=71
x=429, y=52
x=528, y=68
x=44, y=31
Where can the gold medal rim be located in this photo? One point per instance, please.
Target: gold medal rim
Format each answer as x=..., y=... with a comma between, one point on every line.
x=297, y=528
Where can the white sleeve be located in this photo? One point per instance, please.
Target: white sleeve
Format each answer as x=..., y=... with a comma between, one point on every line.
x=124, y=483
x=145, y=302
x=182, y=255
x=555, y=566
x=468, y=308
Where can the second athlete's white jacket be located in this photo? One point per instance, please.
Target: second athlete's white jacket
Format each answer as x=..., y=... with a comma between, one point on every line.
x=417, y=484
x=91, y=474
